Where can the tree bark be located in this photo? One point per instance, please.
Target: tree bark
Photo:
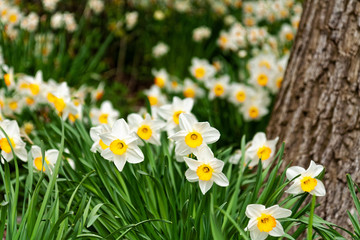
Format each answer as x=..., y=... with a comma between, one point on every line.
x=317, y=112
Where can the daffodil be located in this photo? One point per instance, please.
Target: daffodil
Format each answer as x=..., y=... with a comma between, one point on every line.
x=193, y=134
x=239, y=93
x=95, y=132
x=8, y=77
x=201, y=69
x=123, y=145
x=261, y=148
x=12, y=130
x=171, y=112
x=192, y=90
x=155, y=97
x=147, y=129
x=105, y=115
x=264, y=221
x=253, y=110
x=307, y=181
x=206, y=169
x=161, y=77
x=219, y=87
x=49, y=159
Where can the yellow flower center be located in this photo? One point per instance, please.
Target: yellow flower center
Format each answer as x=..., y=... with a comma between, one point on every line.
x=144, y=132
x=199, y=72
x=264, y=152
x=34, y=88
x=279, y=82
x=308, y=184
x=51, y=98
x=5, y=146
x=262, y=79
x=249, y=22
x=29, y=101
x=289, y=36
x=219, y=89
x=177, y=115
x=193, y=139
x=204, y=172
x=99, y=95
x=241, y=96
x=24, y=85
x=264, y=63
x=28, y=127
x=73, y=117
x=223, y=40
x=7, y=79
x=39, y=165
x=174, y=84
x=59, y=104
x=1, y=104
x=266, y=222
x=13, y=105
x=103, y=118
x=153, y=100
x=103, y=145
x=253, y=112
x=160, y=82
x=13, y=18
x=118, y=147
x=189, y=92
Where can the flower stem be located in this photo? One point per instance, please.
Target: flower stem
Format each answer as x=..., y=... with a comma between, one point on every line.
x=310, y=226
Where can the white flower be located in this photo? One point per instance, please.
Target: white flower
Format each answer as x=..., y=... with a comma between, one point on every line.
x=307, y=181
x=12, y=130
x=57, y=20
x=105, y=115
x=201, y=33
x=50, y=158
x=239, y=93
x=192, y=90
x=70, y=23
x=161, y=77
x=227, y=42
x=171, y=112
x=131, y=19
x=201, y=69
x=160, y=50
x=155, y=97
x=263, y=221
x=218, y=87
x=95, y=132
x=96, y=5
x=253, y=110
x=206, y=170
x=30, y=23
x=122, y=145
x=147, y=129
x=193, y=134
x=261, y=148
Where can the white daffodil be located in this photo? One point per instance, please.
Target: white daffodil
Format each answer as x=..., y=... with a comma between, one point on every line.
x=122, y=145
x=147, y=129
x=206, y=170
x=50, y=158
x=155, y=97
x=226, y=41
x=161, y=77
x=13, y=132
x=105, y=115
x=307, y=181
x=263, y=221
x=193, y=134
x=218, y=87
x=171, y=113
x=253, y=110
x=201, y=69
x=192, y=90
x=239, y=93
x=98, y=93
x=261, y=148
x=95, y=132
x=9, y=77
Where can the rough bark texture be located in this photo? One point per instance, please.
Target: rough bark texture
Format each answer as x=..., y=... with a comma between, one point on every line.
x=317, y=113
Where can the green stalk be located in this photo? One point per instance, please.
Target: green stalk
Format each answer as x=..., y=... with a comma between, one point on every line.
x=310, y=227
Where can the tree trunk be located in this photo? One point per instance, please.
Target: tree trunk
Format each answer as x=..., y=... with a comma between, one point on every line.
x=317, y=112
